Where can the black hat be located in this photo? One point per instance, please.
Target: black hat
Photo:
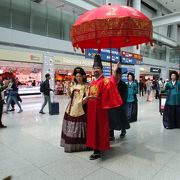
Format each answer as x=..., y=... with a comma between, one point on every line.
x=97, y=61
x=79, y=70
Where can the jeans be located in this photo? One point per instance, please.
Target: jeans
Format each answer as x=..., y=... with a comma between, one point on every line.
x=12, y=98
x=47, y=99
x=1, y=111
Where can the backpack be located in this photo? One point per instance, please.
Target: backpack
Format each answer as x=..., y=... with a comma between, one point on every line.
x=42, y=87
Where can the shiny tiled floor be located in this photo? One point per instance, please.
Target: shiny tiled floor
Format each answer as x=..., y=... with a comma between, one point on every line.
x=29, y=148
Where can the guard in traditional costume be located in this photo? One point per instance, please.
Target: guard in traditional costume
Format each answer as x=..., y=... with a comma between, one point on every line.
x=118, y=116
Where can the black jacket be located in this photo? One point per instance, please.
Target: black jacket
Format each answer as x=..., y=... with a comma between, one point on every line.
x=118, y=116
x=47, y=88
x=2, y=88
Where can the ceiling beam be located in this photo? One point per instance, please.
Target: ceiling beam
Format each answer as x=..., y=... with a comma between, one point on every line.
x=82, y=4
x=173, y=18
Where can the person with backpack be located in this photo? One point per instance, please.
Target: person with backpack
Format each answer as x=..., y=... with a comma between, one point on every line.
x=45, y=89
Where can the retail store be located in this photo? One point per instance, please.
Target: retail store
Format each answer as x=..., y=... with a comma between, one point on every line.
x=25, y=66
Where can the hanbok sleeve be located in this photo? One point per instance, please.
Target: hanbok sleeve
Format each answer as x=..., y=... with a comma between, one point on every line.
x=135, y=89
x=110, y=96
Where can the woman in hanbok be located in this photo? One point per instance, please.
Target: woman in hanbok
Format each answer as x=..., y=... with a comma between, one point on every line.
x=132, y=107
x=171, y=115
x=73, y=136
x=150, y=93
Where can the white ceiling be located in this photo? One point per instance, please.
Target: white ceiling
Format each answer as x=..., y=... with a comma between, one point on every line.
x=172, y=5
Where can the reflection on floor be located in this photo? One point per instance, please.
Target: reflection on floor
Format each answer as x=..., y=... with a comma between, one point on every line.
x=29, y=148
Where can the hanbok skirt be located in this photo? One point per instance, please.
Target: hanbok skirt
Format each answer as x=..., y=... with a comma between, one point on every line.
x=132, y=110
x=73, y=136
x=171, y=116
x=150, y=96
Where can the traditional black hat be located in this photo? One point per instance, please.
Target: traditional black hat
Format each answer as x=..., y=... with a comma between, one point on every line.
x=97, y=61
x=79, y=70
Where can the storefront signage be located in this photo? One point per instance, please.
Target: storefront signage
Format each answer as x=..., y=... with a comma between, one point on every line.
x=105, y=54
x=72, y=61
x=33, y=57
x=18, y=56
x=155, y=70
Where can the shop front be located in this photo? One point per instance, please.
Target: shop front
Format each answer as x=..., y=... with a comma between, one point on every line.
x=25, y=67
x=64, y=67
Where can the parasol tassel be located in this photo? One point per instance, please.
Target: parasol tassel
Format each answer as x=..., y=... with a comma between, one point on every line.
x=137, y=46
x=151, y=43
x=82, y=50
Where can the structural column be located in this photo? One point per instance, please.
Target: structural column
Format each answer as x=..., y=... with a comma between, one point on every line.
x=49, y=67
x=137, y=5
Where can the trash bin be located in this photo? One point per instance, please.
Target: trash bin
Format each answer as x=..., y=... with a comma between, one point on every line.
x=162, y=101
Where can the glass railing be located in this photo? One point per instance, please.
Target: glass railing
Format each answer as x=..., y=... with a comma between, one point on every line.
x=174, y=56
x=155, y=52
x=41, y=19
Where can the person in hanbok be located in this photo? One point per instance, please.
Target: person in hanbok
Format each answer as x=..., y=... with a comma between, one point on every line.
x=118, y=116
x=73, y=135
x=171, y=115
x=132, y=106
x=150, y=93
x=103, y=95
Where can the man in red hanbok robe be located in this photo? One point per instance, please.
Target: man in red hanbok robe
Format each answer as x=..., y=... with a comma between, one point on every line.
x=103, y=95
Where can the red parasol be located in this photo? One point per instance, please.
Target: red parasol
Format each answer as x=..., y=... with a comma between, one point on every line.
x=111, y=26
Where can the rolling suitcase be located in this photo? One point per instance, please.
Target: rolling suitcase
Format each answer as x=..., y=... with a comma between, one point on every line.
x=54, y=107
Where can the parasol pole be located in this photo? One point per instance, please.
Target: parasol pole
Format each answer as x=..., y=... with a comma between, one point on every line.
x=110, y=57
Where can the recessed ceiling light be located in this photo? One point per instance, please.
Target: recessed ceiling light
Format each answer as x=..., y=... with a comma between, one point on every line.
x=166, y=3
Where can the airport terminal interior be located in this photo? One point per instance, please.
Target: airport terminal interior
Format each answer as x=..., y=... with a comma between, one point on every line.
x=42, y=43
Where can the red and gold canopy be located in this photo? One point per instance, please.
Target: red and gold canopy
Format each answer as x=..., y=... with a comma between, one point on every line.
x=111, y=26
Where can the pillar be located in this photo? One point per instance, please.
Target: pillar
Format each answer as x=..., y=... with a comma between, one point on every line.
x=49, y=67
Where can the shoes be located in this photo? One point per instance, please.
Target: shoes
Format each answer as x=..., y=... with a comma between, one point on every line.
x=111, y=138
x=88, y=149
x=8, y=178
x=3, y=126
x=41, y=112
x=94, y=156
x=123, y=134
x=11, y=110
x=20, y=111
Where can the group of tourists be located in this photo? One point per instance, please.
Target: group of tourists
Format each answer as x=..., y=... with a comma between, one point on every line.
x=95, y=110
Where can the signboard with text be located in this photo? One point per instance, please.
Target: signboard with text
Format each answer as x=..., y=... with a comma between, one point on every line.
x=105, y=54
x=155, y=70
x=125, y=57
